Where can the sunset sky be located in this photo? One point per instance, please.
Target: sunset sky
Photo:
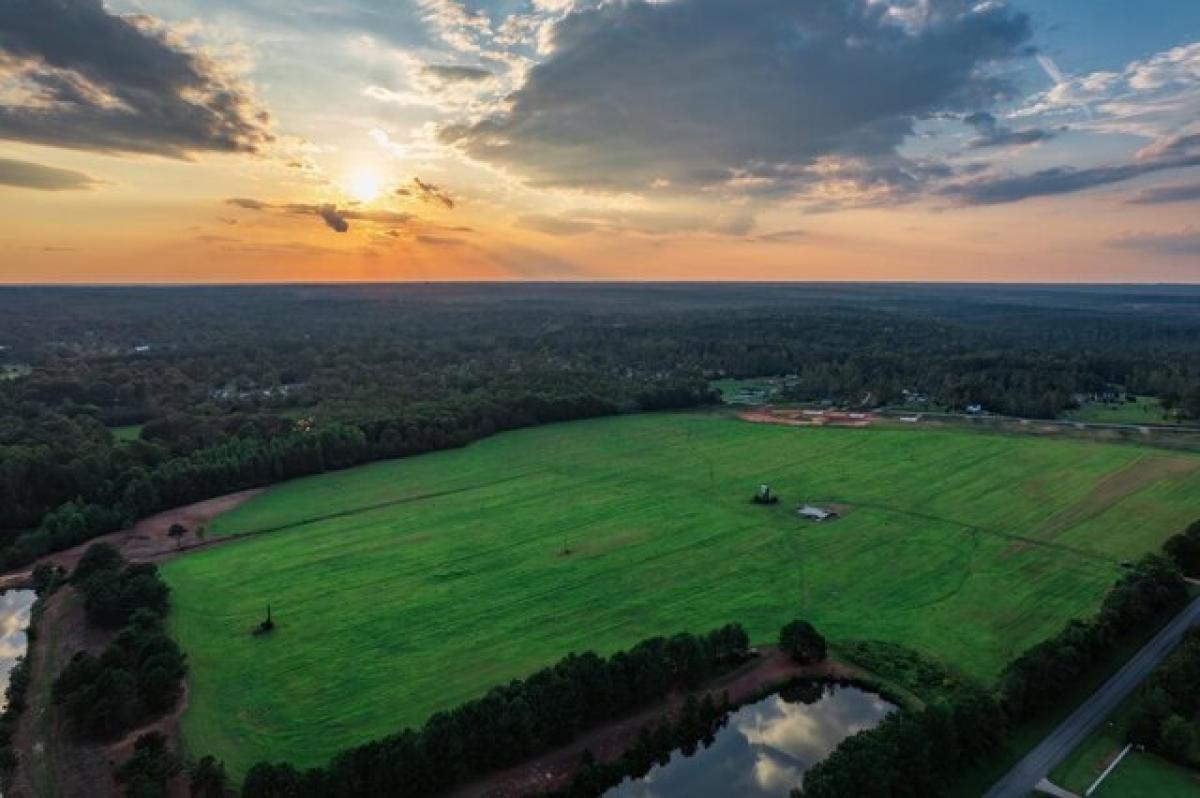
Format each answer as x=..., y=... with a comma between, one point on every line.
x=343, y=140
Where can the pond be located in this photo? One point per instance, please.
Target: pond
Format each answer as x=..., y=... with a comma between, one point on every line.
x=15, y=606
x=765, y=747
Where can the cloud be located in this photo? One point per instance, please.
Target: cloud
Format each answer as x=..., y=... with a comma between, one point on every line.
x=458, y=26
x=23, y=174
x=691, y=90
x=449, y=74
x=995, y=189
x=555, y=225
x=640, y=222
x=438, y=241
x=1159, y=195
x=427, y=192
x=993, y=134
x=783, y=236
x=81, y=78
x=1150, y=97
x=1186, y=242
x=337, y=219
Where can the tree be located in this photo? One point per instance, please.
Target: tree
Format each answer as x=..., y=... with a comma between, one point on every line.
x=98, y=557
x=152, y=765
x=802, y=642
x=1184, y=549
x=177, y=531
x=208, y=778
x=267, y=780
x=1178, y=739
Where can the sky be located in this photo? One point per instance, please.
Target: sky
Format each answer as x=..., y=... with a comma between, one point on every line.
x=217, y=141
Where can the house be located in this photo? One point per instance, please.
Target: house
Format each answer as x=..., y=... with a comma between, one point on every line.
x=815, y=513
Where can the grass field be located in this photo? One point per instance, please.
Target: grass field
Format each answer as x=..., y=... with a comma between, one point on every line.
x=1144, y=775
x=130, y=432
x=1146, y=410
x=969, y=547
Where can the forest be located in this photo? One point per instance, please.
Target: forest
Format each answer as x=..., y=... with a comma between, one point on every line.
x=119, y=402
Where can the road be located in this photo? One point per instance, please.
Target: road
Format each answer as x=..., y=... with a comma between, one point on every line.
x=1067, y=424
x=1037, y=764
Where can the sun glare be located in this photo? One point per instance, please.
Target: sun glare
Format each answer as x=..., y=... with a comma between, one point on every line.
x=364, y=186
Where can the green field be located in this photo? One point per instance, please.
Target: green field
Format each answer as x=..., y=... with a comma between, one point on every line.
x=130, y=432
x=1142, y=775
x=1145, y=410
x=408, y=586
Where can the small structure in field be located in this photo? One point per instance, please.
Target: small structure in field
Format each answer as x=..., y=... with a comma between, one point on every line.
x=814, y=513
x=267, y=626
x=764, y=495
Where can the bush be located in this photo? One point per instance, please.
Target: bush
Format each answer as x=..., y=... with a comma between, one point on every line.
x=802, y=642
x=114, y=591
x=1184, y=549
x=147, y=772
x=207, y=779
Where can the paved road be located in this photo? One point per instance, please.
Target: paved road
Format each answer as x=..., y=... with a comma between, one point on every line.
x=1038, y=763
x=1050, y=422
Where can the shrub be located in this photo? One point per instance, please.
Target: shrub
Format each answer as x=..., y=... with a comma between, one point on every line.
x=802, y=642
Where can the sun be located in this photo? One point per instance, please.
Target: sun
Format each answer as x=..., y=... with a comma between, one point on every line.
x=364, y=186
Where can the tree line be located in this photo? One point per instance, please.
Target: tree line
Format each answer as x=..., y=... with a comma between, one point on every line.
x=215, y=371
x=510, y=723
x=1037, y=679
x=1165, y=711
x=162, y=482
x=139, y=674
x=923, y=753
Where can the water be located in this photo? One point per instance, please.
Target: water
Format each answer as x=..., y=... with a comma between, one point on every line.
x=15, y=606
x=764, y=749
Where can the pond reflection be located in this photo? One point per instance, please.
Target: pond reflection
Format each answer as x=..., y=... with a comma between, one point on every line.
x=765, y=747
x=15, y=606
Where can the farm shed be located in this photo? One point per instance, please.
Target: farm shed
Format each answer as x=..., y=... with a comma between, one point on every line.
x=816, y=513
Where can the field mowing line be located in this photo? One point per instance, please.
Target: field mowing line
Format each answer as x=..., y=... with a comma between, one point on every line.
x=1011, y=536
x=366, y=508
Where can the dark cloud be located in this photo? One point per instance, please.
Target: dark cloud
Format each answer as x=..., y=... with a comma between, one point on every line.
x=23, y=174
x=427, y=192
x=1159, y=195
x=994, y=134
x=993, y=190
x=688, y=91
x=1185, y=242
x=449, y=74
x=783, y=236
x=337, y=219
x=87, y=79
